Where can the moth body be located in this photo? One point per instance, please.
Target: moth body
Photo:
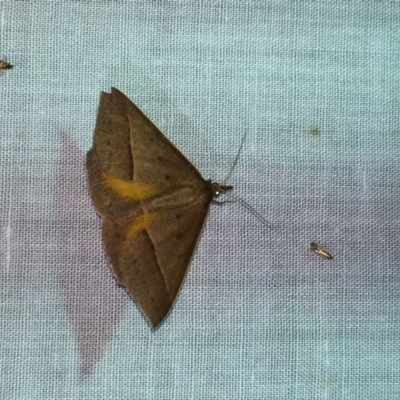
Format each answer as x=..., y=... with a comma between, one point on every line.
x=320, y=251
x=180, y=197
x=5, y=65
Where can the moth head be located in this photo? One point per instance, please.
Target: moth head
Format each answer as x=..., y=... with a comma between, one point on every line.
x=5, y=65
x=218, y=189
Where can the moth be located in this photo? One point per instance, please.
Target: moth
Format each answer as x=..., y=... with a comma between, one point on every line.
x=153, y=203
x=5, y=65
x=320, y=251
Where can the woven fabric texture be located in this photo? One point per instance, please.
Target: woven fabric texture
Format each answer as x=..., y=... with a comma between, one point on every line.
x=314, y=87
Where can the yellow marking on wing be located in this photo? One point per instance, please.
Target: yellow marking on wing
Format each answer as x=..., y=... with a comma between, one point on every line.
x=142, y=222
x=134, y=190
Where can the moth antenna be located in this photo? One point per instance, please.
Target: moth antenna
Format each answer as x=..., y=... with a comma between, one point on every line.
x=236, y=158
x=236, y=198
x=251, y=209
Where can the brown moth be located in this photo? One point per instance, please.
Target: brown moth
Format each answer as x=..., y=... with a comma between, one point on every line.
x=152, y=200
x=5, y=65
x=320, y=251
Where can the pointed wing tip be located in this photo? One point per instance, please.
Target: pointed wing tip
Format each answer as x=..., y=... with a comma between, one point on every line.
x=116, y=93
x=113, y=92
x=156, y=323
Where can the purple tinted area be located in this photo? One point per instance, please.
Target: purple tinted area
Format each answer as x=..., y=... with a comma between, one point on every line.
x=93, y=300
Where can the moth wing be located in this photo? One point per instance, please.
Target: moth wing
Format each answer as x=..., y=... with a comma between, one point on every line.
x=153, y=264
x=131, y=147
x=108, y=203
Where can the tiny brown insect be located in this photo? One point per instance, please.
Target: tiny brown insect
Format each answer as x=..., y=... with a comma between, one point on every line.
x=5, y=65
x=320, y=251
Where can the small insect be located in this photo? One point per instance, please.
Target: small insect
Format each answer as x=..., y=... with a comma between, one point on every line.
x=320, y=251
x=5, y=65
x=315, y=131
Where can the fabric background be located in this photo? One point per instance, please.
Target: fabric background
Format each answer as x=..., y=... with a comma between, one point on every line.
x=314, y=86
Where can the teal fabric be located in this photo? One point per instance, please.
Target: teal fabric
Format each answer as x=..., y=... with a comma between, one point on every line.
x=314, y=87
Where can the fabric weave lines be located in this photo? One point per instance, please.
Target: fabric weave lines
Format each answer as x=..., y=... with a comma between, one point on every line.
x=314, y=86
